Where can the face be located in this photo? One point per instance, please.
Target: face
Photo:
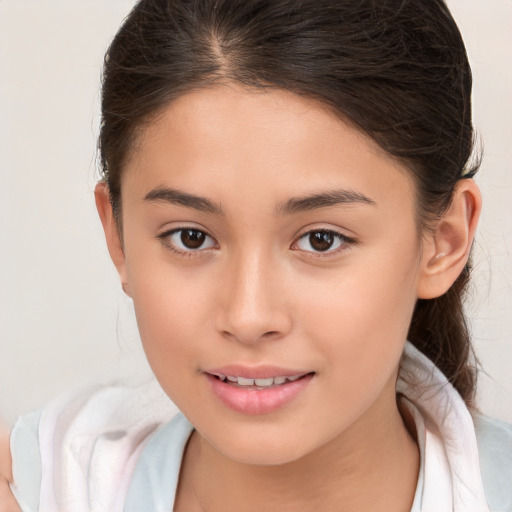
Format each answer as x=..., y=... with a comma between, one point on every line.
x=273, y=258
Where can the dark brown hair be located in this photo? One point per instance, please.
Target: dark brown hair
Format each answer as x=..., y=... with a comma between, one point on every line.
x=396, y=69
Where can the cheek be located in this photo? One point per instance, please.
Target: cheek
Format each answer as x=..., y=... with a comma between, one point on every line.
x=361, y=318
x=172, y=310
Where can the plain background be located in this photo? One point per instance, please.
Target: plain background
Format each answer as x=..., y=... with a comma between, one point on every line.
x=63, y=318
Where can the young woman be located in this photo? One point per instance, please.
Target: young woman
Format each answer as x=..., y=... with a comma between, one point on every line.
x=288, y=198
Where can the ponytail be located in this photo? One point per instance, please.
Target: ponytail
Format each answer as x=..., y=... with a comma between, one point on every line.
x=439, y=330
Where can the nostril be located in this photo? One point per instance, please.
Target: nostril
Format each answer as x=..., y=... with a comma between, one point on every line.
x=250, y=338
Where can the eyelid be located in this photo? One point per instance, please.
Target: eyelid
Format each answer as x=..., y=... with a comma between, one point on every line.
x=165, y=236
x=346, y=242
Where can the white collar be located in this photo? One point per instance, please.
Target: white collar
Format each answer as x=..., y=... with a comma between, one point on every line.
x=90, y=445
x=449, y=477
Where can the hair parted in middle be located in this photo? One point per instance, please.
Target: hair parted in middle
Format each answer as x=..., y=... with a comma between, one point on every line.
x=397, y=70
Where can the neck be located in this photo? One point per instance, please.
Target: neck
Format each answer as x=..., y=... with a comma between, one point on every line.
x=373, y=465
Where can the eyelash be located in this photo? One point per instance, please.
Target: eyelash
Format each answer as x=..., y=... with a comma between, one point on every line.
x=345, y=242
x=165, y=238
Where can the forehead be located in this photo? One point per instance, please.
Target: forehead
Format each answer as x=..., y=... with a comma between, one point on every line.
x=268, y=142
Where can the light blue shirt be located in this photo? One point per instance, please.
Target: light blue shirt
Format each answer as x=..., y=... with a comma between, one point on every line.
x=116, y=446
x=155, y=479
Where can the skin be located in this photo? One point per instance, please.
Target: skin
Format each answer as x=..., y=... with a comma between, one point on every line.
x=7, y=501
x=258, y=293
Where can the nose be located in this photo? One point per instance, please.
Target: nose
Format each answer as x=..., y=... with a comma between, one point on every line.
x=252, y=305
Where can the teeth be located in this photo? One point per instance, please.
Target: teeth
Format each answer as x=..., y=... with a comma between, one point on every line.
x=245, y=382
x=262, y=383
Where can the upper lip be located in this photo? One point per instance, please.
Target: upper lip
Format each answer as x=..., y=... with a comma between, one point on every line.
x=255, y=372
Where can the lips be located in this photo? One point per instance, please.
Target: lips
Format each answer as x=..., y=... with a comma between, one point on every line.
x=260, y=390
x=258, y=383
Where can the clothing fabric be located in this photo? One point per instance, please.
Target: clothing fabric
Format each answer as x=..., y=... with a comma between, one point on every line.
x=118, y=449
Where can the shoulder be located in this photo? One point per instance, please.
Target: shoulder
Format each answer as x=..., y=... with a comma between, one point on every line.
x=494, y=439
x=79, y=453
x=26, y=461
x=155, y=479
x=7, y=501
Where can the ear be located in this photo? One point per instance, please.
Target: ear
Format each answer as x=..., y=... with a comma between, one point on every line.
x=112, y=235
x=446, y=249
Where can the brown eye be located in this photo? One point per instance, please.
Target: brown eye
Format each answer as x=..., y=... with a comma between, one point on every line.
x=187, y=240
x=321, y=240
x=192, y=238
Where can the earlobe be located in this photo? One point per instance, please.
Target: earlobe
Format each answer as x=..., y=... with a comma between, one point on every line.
x=446, y=250
x=112, y=235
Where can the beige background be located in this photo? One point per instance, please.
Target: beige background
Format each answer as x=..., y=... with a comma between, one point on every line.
x=63, y=318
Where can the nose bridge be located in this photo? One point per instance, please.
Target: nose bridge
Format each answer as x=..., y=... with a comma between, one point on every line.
x=253, y=308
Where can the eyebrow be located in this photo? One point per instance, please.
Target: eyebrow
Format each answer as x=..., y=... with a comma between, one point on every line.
x=291, y=206
x=173, y=196
x=323, y=200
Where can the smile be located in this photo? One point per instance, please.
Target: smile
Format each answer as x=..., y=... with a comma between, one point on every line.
x=258, y=395
x=258, y=383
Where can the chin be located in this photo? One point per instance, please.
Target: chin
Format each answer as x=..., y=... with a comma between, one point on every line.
x=262, y=450
x=260, y=457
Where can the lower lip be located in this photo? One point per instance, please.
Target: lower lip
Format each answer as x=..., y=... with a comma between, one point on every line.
x=258, y=401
